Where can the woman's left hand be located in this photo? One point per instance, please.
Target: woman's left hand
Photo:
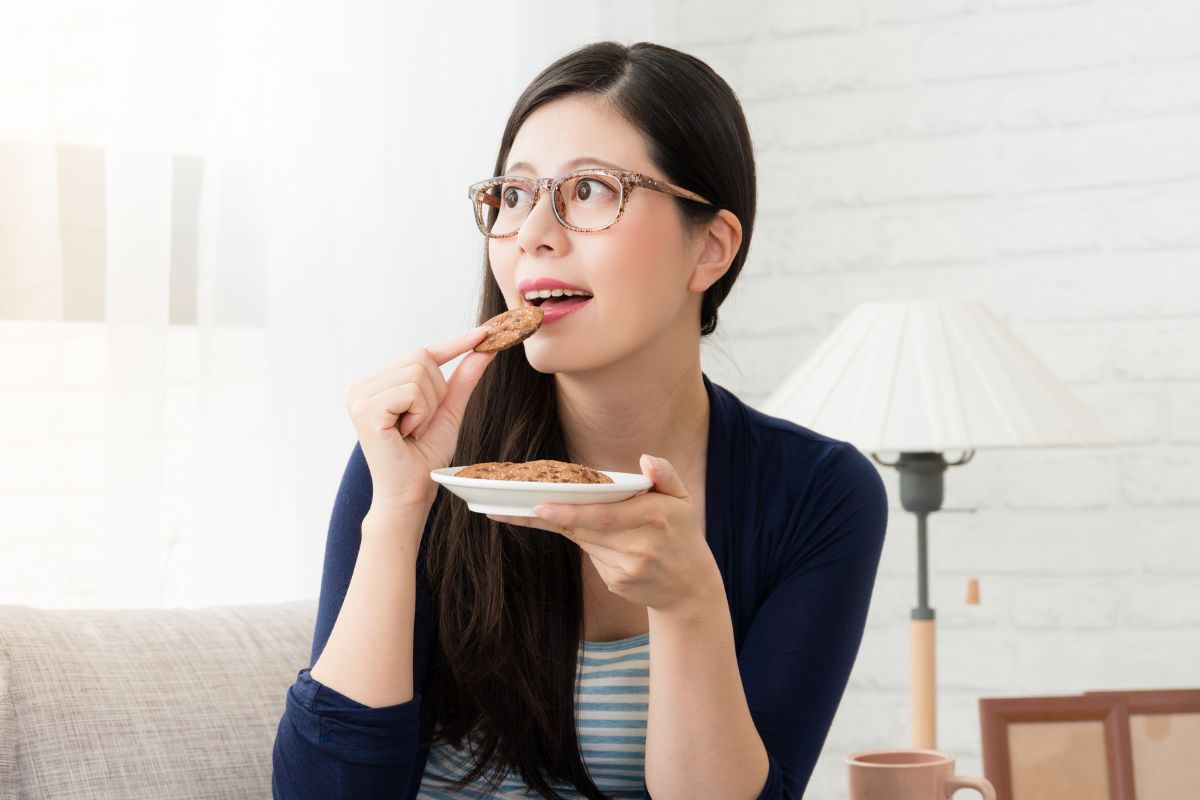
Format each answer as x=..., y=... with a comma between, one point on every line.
x=648, y=549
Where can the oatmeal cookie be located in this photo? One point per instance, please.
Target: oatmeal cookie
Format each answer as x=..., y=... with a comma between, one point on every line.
x=510, y=328
x=543, y=470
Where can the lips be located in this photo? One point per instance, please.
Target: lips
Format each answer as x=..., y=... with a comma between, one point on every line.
x=552, y=313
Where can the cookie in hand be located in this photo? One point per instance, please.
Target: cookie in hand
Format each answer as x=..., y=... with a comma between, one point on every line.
x=510, y=328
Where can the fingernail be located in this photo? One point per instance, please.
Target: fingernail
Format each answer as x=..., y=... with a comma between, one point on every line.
x=545, y=512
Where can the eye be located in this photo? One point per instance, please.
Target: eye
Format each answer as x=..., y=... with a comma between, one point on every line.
x=513, y=195
x=585, y=188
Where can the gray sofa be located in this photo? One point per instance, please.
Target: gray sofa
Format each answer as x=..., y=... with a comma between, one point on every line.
x=145, y=703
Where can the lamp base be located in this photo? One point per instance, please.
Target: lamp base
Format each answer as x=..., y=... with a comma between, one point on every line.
x=923, y=693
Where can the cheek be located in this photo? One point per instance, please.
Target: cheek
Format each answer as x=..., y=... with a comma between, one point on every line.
x=642, y=268
x=502, y=257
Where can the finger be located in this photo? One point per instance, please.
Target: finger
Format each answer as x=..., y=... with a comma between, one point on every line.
x=405, y=399
x=384, y=377
x=466, y=376
x=420, y=370
x=451, y=348
x=615, y=540
x=605, y=518
x=423, y=403
x=437, y=379
x=431, y=402
x=439, y=353
x=414, y=418
x=601, y=551
x=416, y=374
x=620, y=568
x=603, y=558
x=662, y=472
x=523, y=522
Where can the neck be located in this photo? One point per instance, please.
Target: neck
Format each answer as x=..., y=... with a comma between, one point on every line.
x=611, y=416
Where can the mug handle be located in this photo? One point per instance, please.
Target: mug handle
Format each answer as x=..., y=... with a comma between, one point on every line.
x=981, y=785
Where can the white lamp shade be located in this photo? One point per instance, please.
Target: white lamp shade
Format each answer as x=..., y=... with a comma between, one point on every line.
x=931, y=376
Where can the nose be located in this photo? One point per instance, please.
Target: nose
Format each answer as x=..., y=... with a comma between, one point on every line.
x=541, y=227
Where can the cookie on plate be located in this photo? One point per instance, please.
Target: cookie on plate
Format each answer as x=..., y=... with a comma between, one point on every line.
x=511, y=328
x=544, y=469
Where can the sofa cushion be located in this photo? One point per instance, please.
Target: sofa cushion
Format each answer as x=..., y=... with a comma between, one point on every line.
x=145, y=703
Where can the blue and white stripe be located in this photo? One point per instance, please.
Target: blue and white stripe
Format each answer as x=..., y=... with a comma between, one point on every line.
x=610, y=713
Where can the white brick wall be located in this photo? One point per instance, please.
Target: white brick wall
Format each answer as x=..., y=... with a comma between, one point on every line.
x=1041, y=157
x=1038, y=155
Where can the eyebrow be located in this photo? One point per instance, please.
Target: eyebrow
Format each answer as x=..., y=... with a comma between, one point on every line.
x=568, y=166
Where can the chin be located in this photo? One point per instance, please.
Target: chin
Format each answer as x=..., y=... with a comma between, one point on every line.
x=569, y=361
x=547, y=365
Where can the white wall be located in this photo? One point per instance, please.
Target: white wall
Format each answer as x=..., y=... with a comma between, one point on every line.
x=1039, y=156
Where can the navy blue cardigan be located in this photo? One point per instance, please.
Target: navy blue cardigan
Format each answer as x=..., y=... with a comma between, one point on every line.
x=795, y=521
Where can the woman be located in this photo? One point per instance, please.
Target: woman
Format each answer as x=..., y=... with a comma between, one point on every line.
x=702, y=646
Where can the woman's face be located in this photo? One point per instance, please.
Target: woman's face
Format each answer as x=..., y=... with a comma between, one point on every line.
x=637, y=271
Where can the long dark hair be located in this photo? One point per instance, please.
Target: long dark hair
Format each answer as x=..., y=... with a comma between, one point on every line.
x=507, y=600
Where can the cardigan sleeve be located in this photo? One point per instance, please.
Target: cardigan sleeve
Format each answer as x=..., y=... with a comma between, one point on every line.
x=799, y=649
x=326, y=744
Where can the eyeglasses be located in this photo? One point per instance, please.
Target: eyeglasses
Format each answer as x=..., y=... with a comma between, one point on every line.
x=586, y=200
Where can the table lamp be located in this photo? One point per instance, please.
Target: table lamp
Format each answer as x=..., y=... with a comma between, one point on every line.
x=921, y=379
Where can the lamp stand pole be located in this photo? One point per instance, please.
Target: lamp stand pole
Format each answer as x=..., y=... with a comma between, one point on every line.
x=922, y=486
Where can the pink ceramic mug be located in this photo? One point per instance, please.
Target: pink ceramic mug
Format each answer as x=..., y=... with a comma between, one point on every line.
x=909, y=775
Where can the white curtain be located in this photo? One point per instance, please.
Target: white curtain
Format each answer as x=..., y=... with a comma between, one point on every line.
x=328, y=146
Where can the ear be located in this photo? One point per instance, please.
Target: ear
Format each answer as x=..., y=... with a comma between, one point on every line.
x=716, y=246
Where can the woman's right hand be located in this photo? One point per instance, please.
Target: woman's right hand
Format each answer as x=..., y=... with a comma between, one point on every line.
x=408, y=416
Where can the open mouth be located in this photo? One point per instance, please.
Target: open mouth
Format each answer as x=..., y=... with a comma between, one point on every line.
x=560, y=301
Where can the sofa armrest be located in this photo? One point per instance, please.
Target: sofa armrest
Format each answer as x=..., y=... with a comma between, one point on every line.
x=153, y=703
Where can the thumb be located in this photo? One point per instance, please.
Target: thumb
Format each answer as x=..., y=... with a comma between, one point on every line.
x=466, y=376
x=666, y=479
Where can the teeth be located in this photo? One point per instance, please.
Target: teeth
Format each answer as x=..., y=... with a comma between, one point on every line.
x=544, y=293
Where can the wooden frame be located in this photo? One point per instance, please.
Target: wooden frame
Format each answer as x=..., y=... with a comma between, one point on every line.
x=996, y=715
x=1164, y=734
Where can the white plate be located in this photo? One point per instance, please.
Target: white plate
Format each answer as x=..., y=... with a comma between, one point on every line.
x=517, y=498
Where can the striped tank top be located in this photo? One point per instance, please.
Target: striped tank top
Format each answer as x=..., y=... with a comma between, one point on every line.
x=613, y=692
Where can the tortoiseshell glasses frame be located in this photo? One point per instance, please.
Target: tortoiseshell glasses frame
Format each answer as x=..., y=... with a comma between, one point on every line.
x=481, y=194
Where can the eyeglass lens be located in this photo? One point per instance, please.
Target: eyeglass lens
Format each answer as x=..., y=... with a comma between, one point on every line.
x=590, y=201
